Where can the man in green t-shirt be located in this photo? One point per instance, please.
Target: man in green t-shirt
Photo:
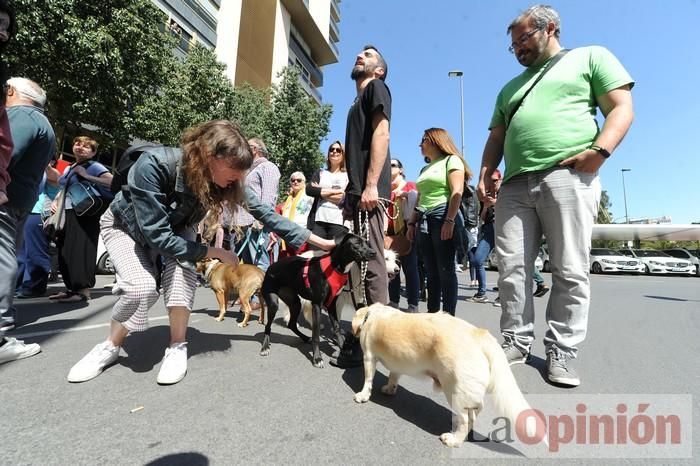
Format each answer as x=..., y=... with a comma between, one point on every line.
x=553, y=149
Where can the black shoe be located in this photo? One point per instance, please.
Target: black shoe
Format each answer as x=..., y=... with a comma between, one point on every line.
x=541, y=290
x=349, y=356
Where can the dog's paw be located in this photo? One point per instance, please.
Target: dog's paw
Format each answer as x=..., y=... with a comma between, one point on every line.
x=318, y=363
x=389, y=389
x=361, y=397
x=219, y=319
x=265, y=352
x=449, y=439
x=242, y=324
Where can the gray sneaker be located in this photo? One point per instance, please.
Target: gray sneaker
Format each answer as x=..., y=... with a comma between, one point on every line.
x=479, y=298
x=559, y=370
x=514, y=354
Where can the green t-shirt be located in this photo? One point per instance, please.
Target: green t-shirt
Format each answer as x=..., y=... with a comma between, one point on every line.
x=433, y=184
x=557, y=119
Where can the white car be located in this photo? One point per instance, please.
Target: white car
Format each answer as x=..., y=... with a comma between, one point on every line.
x=491, y=262
x=608, y=260
x=659, y=262
x=104, y=263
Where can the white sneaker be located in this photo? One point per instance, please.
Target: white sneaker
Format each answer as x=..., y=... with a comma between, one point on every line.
x=174, y=365
x=15, y=349
x=93, y=363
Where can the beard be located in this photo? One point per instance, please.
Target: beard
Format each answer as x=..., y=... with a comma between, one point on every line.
x=533, y=55
x=357, y=73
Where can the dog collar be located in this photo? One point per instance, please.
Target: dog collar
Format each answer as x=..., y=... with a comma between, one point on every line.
x=359, y=328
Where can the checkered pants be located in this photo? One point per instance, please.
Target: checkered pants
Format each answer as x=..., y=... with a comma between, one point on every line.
x=136, y=274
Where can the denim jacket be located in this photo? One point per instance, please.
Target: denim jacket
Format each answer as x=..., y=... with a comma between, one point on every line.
x=158, y=208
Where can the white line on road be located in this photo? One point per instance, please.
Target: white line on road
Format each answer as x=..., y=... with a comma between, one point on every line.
x=78, y=329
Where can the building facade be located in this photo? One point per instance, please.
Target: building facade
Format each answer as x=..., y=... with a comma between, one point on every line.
x=257, y=39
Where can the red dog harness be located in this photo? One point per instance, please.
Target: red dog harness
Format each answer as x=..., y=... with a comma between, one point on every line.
x=336, y=280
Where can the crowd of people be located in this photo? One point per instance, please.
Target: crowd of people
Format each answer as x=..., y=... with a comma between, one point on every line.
x=552, y=149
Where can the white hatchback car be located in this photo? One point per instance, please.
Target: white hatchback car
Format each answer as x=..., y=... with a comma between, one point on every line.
x=491, y=262
x=659, y=262
x=104, y=263
x=608, y=260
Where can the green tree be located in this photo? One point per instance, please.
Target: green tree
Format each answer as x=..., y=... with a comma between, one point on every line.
x=295, y=125
x=96, y=59
x=604, y=216
x=196, y=90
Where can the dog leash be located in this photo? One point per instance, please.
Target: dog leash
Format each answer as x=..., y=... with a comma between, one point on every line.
x=364, y=233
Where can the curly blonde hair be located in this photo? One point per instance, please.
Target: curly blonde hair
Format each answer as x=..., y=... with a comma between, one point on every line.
x=220, y=139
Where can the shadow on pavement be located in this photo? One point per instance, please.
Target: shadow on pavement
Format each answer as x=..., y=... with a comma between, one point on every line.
x=189, y=458
x=419, y=410
x=668, y=298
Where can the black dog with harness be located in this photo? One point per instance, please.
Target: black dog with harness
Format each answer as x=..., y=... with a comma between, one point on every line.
x=317, y=279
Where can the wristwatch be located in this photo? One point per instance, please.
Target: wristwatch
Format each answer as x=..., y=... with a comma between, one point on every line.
x=602, y=151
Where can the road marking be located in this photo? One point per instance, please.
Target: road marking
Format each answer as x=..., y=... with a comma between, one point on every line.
x=78, y=329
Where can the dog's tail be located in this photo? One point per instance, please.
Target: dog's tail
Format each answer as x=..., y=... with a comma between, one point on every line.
x=508, y=398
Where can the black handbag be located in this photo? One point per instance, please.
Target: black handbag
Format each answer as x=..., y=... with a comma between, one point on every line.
x=86, y=198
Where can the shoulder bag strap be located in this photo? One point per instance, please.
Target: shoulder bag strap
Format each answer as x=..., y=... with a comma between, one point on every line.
x=549, y=66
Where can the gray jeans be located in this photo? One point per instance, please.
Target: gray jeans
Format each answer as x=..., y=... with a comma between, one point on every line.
x=11, y=230
x=562, y=204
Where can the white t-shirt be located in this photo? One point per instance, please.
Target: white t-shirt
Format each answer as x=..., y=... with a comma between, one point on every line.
x=327, y=211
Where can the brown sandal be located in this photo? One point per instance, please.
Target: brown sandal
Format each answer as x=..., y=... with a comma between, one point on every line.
x=60, y=295
x=74, y=298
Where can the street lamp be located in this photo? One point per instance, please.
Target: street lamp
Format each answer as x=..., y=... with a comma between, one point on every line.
x=459, y=74
x=624, y=191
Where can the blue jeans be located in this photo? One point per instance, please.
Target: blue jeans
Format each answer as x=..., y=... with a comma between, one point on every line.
x=255, y=250
x=560, y=203
x=478, y=255
x=409, y=265
x=439, y=259
x=11, y=229
x=33, y=260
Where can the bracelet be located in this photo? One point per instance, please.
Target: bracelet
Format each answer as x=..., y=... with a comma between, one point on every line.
x=602, y=151
x=448, y=220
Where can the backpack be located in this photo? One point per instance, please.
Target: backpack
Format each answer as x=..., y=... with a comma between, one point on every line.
x=128, y=158
x=470, y=206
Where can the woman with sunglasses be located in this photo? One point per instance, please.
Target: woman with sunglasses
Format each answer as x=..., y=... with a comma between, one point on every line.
x=296, y=208
x=327, y=187
x=437, y=222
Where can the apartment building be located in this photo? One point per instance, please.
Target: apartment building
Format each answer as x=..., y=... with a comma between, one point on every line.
x=256, y=39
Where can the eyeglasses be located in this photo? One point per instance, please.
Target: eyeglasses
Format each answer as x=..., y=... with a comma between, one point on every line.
x=335, y=149
x=522, y=40
x=296, y=180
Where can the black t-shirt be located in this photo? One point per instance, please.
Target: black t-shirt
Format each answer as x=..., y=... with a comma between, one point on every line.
x=358, y=138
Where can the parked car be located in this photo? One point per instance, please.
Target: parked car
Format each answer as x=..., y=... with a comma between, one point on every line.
x=491, y=262
x=104, y=263
x=608, y=260
x=691, y=256
x=660, y=262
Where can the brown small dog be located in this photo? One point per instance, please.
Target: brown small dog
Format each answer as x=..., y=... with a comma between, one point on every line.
x=227, y=282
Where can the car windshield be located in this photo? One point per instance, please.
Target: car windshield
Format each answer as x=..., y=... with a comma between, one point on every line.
x=604, y=252
x=696, y=253
x=650, y=253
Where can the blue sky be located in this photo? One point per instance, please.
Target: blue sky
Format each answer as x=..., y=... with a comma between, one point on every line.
x=422, y=40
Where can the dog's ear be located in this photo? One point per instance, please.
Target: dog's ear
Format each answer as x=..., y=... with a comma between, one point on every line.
x=358, y=320
x=337, y=239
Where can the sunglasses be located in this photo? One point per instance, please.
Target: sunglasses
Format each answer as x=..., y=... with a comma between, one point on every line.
x=495, y=180
x=296, y=180
x=395, y=165
x=335, y=149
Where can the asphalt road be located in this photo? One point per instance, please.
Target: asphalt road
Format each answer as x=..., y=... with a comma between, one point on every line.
x=235, y=407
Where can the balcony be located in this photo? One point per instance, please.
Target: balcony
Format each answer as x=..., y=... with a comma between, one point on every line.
x=333, y=31
x=321, y=50
x=335, y=11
